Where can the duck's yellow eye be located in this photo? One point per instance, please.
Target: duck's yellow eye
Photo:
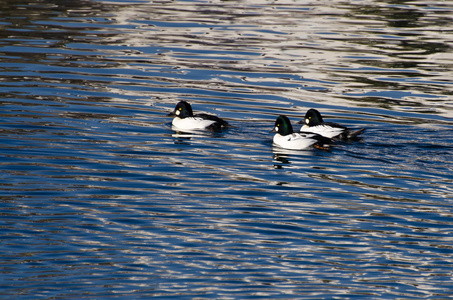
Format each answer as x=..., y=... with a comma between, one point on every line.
x=180, y=108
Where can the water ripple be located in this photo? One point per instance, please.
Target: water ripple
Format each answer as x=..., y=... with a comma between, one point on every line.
x=101, y=198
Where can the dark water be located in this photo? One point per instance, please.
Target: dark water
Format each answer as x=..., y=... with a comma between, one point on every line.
x=100, y=198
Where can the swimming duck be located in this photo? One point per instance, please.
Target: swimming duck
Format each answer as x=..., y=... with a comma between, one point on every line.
x=286, y=138
x=186, y=120
x=313, y=122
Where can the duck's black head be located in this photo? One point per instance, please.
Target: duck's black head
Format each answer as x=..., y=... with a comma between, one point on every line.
x=313, y=117
x=283, y=126
x=182, y=110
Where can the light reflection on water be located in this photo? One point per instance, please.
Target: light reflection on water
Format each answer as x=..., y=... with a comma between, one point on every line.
x=102, y=198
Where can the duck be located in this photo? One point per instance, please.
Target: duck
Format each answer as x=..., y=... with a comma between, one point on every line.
x=313, y=122
x=186, y=120
x=286, y=138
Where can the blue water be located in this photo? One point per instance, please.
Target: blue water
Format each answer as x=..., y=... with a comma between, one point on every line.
x=100, y=198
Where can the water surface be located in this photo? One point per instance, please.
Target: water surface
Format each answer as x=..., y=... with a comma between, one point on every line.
x=101, y=198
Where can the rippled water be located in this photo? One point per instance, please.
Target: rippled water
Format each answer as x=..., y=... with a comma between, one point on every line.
x=100, y=198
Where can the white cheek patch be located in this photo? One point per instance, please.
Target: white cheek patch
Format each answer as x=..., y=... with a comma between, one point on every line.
x=276, y=128
x=177, y=112
x=307, y=121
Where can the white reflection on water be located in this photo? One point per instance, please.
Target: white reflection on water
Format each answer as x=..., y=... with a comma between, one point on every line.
x=347, y=52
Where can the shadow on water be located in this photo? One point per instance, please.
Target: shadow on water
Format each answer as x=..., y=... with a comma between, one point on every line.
x=100, y=197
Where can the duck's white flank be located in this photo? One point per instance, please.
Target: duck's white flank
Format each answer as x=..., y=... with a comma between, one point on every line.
x=295, y=141
x=192, y=123
x=324, y=130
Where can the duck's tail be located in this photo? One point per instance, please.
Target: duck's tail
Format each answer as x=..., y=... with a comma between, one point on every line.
x=350, y=135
